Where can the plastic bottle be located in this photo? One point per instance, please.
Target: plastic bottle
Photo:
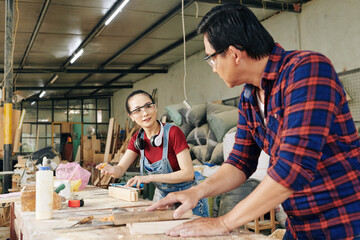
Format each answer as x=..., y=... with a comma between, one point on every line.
x=44, y=193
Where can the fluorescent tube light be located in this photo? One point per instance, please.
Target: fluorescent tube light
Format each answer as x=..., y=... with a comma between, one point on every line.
x=32, y=103
x=122, y=5
x=42, y=94
x=54, y=79
x=77, y=55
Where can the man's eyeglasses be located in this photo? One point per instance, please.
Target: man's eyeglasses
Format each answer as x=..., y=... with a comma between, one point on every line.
x=149, y=108
x=210, y=58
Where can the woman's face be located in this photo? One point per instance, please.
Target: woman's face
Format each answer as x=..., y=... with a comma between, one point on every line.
x=142, y=110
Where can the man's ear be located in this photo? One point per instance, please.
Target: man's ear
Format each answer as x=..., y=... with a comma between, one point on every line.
x=236, y=53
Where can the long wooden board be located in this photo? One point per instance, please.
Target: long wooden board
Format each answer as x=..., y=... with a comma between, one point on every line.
x=154, y=227
x=108, y=140
x=141, y=215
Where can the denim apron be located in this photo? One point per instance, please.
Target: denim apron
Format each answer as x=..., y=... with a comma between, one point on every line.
x=163, y=167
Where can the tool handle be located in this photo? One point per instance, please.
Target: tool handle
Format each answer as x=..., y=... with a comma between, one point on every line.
x=59, y=188
x=86, y=220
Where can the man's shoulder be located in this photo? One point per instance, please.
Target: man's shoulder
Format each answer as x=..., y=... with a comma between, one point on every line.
x=304, y=56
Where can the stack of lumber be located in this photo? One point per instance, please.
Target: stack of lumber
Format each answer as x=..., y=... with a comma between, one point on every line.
x=91, y=150
x=115, y=148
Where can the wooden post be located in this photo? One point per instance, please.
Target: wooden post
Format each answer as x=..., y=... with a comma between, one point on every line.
x=108, y=140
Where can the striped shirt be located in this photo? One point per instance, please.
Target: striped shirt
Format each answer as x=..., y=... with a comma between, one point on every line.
x=312, y=141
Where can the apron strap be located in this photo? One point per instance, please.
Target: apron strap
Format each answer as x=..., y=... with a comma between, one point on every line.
x=166, y=140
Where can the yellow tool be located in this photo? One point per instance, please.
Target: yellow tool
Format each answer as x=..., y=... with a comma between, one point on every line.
x=102, y=166
x=83, y=221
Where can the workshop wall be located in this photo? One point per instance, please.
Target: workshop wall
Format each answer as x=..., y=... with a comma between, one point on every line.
x=326, y=26
x=330, y=27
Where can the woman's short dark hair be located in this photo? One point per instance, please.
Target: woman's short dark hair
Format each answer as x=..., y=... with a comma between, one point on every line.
x=133, y=94
x=236, y=25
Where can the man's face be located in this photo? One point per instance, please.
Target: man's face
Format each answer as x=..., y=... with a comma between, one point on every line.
x=221, y=63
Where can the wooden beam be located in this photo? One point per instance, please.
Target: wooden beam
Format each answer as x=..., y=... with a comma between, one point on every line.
x=159, y=227
x=124, y=193
x=108, y=140
x=141, y=215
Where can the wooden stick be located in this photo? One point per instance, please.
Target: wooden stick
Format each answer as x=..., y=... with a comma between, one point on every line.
x=108, y=140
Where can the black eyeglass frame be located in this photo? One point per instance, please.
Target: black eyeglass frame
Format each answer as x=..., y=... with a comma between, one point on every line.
x=207, y=57
x=144, y=106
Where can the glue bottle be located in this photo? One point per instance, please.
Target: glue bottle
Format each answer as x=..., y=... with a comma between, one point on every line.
x=44, y=193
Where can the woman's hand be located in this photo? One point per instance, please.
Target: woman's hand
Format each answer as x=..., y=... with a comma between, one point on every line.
x=137, y=180
x=108, y=169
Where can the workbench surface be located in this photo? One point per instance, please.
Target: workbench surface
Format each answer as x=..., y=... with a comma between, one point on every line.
x=97, y=203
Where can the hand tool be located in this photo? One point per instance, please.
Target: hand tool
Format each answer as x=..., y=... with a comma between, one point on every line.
x=102, y=166
x=83, y=221
x=59, y=188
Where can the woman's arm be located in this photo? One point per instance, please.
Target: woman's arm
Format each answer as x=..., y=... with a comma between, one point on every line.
x=186, y=172
x=119, y=170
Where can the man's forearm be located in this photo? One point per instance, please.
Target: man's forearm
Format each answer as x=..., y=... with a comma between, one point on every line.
x=267, y=195
x=225, y=179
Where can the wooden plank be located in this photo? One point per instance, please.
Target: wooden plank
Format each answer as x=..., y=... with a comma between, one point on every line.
x=37, y=138
x=87, y=143
x=95, y=144
x=28, y=201
x=124, y=193
x=77, y=158
x=116, y=135
x=97, y=157
x=141, y=215
x=10, y=197
x=154, y=227
x=108, y=140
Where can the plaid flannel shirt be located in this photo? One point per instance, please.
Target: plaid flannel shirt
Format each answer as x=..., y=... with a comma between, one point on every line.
x=312, y=141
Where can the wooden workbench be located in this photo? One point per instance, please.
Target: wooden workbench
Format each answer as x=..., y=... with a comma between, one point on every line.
x=97, y=203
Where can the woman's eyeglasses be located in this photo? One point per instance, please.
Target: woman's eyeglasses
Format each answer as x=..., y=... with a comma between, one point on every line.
x=149, y=108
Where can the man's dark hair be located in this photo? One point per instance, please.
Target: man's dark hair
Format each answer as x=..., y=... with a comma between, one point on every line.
x=133, y=94
x=236, y=25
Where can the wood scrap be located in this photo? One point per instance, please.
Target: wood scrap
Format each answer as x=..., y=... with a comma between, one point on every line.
x=159, y=227
x=141, y=215
x=103, y=180
x=124, y=193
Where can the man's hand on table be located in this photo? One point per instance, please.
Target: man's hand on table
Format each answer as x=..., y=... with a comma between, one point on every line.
x=188, y=199
x=200, y=227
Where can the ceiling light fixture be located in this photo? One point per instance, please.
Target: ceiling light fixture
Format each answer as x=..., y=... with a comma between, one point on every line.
x=122, y=5
x=77, y=55
x=54, y=78
x=42, y=94
x=32, y=103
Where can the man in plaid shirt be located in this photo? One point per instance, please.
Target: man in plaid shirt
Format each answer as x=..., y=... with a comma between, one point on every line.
x=294, y=108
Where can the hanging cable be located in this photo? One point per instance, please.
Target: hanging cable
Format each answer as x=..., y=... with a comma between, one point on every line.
x=184, y=40
x=197, y=10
